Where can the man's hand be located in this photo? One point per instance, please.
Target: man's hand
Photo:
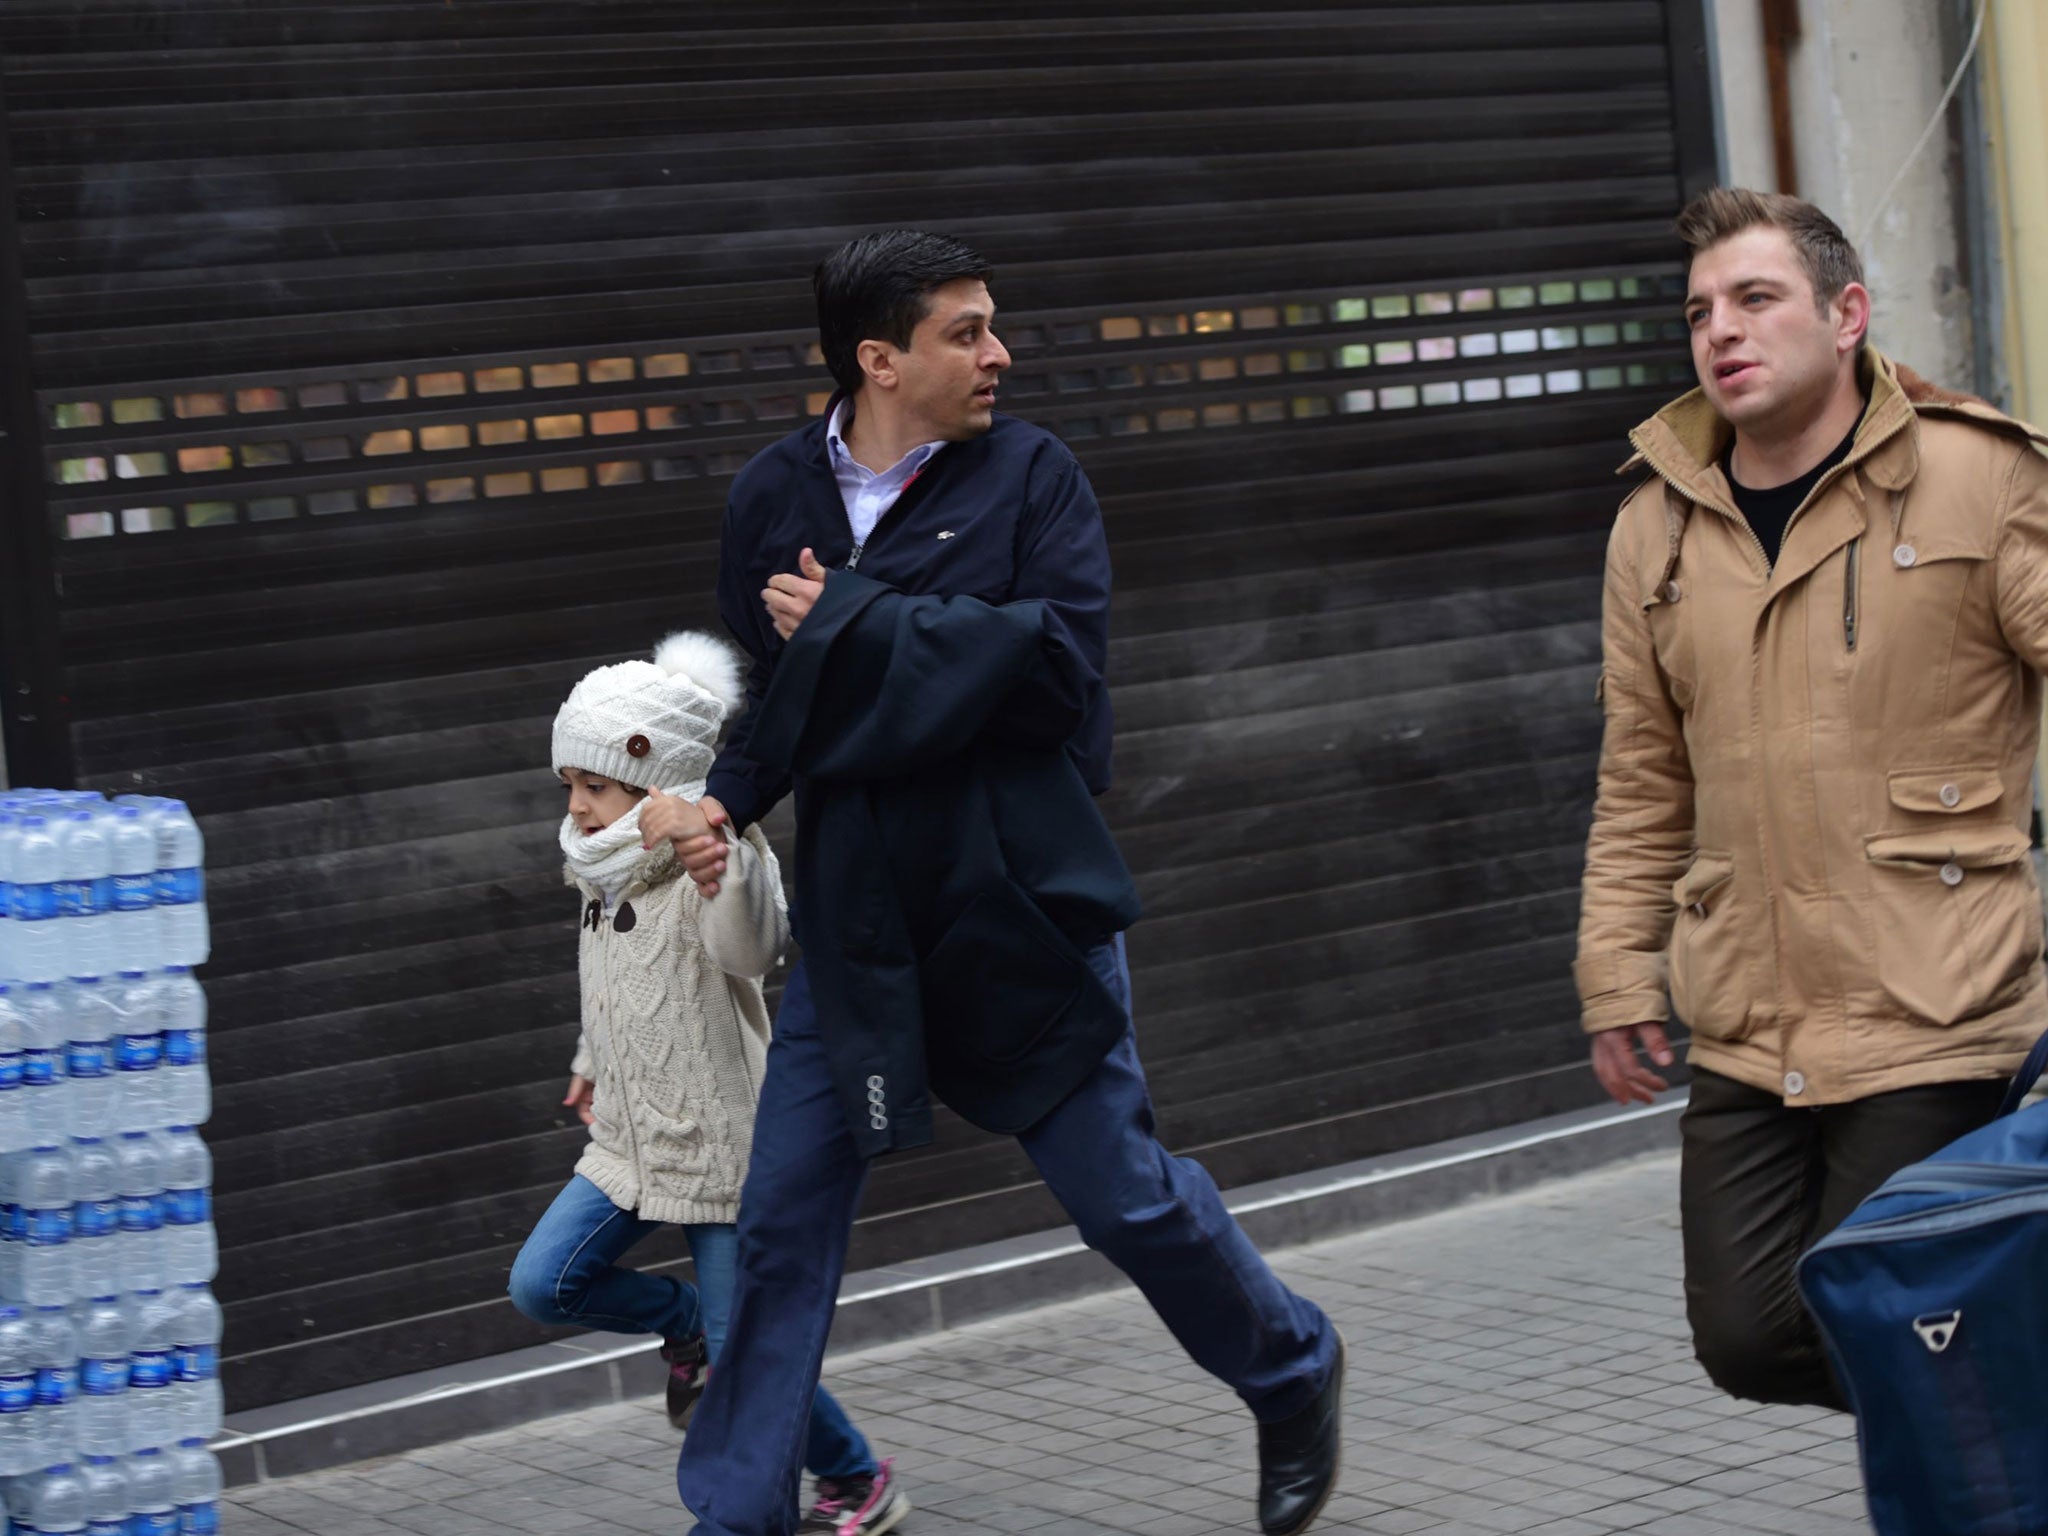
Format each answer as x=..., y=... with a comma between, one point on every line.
x=789, y=599
x=1621, y=1070
x=581, y=1091
x=703, y=855
x=670, y=819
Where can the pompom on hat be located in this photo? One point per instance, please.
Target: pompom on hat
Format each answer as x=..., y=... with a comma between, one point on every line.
x=652, y=723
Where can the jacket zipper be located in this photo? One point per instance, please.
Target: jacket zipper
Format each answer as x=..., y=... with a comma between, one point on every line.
x=1741, y=522
x=853, y=559
x=1849, y=593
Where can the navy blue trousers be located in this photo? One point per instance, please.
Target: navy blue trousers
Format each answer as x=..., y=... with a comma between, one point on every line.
x=1155, y=1216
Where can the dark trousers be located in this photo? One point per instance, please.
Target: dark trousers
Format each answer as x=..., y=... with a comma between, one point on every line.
x=1155, y=1216
x=1759, y=1184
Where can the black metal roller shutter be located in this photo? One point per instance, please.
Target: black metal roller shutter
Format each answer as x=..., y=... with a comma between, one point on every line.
x=388, y=361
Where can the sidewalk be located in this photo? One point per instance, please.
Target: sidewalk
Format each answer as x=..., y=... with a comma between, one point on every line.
x=1517, y=1365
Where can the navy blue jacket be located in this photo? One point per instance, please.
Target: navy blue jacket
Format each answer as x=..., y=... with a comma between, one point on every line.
x=1005, y=515
x=942, y=717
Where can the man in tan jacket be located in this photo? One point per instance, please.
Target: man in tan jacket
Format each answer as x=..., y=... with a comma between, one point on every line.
x=1826, y=616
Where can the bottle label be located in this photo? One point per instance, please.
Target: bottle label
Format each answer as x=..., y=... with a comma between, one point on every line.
x=184, y=1047
x=81, y=898
x=32, y=903
x=198, y=1362
x=149, y=1369
x=199, y=1519
x=13, y=1225
x=179, y=887
x=143, y=1523
x=88, y=1058
x=17, y=1393
x=95, y=1218
x=10, y=1070
x=56, y=1385
x=134, y=893
x=141, y=1213
x=41, y=1068
x=138, y=1053
x=47, y=1228
x=107, y=1528
x=186, y=1207
x=103, y=1377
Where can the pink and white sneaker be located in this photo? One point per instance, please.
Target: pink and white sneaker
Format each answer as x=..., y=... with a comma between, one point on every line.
x=857, y=1506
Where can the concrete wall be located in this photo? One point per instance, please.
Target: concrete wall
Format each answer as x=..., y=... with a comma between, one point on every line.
x=1865, y=78
x=2016, y=100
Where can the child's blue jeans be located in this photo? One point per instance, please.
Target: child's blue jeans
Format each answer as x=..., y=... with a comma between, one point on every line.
x=568, y=1274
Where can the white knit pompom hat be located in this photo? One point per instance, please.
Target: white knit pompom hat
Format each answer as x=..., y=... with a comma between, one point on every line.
x=651, y=723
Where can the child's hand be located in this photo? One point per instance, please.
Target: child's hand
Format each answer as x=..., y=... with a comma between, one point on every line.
x=669, y=819
x=581, y=1091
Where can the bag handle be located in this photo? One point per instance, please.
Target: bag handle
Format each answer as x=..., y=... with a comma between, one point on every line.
x=2029, y=1073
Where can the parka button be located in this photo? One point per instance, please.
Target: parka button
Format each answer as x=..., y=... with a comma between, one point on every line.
x=1795, y=1084
x=1951, y=873
x=1672, y=592
x=1951, y=796
x=1904, y=556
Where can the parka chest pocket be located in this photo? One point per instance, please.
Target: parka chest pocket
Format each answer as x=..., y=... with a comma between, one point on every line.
x=1908, y=592
x=1709, y=963
x=1955, y=917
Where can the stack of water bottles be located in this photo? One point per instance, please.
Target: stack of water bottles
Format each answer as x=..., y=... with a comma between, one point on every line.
x=109, y=1333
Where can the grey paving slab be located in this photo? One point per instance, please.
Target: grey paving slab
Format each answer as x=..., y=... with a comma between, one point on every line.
x=1518, y=1365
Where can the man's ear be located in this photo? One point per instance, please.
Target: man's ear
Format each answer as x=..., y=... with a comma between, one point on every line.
x=1853, y=323
x=877, y=361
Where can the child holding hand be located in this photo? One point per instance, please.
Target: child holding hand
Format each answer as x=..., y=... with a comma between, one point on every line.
x=675, y=1031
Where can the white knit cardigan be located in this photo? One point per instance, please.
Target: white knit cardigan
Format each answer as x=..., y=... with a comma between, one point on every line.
x=675, y=1031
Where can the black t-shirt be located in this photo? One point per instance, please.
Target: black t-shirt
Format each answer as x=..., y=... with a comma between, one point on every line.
x=1769, y=511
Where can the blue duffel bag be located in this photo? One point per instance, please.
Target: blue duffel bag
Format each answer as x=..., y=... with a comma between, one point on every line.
x=1933, y=1299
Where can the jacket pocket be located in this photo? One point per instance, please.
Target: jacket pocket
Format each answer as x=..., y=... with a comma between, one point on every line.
x=1000, y=979
x=1945, y=791
x=1710, y=975
x=1955, y=919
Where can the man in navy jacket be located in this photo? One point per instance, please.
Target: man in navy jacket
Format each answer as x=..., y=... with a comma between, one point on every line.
x=923, y=586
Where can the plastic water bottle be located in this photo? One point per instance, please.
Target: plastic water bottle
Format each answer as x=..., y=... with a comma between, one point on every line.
x=53, y=1350
x=85, y=894
x=56, y=1501
x=152, y=1390
x=17, y=1394
x=43, y=1193
x=188, y=1089
x=13, y=1231
x=101, y=1328
x=10, y=835
x=14, y=1133
x=139, y=1053
x=197, y=1356
x=32, y=902
x=44, y=1044
x=132, y=923
x=106, y=1496
x=96, y=1248
x=91, y=1023
x=152, y=1494
x=196, y=1486
x=180, y=886
x=191, y=1250
x=139, y=1175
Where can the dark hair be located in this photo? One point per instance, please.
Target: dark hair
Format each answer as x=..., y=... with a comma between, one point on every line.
x=1720, y=213
x=877, y=288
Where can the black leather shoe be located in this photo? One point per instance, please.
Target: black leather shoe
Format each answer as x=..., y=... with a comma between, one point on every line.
x=1298, y=1459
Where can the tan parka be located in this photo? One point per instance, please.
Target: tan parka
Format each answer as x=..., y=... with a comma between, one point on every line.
x=1815, y=783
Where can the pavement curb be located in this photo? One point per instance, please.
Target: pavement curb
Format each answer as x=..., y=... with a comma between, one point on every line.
x=947, y=1290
